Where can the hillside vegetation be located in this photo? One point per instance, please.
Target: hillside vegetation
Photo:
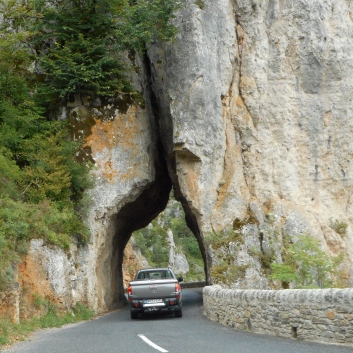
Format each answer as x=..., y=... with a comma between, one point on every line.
x=50, y=50
x=154, y=245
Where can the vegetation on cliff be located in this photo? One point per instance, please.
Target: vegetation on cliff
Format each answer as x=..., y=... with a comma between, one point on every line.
x=154, y=245
x=41, y=181
x=79, y=46
x=282, y=260
x=48, y=51
x=305, y=265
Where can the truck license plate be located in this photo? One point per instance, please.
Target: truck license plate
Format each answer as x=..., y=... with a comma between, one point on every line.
x=153, y=301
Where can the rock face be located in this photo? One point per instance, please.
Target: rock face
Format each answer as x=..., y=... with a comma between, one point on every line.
x=248, y=115
x=132, y=187
x=257, y=109
x=177, y=260
x=51, y=273
x=132, y=262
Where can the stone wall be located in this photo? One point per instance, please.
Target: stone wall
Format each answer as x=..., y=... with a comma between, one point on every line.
x=324, y=315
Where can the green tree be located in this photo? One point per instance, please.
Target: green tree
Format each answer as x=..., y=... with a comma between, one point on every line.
x=10, y=175
x=41, y=182
x=48, y=51
x=81, y=43
x=306, y=265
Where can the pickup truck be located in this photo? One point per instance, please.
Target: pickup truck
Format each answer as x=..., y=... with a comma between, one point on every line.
x=155, y=289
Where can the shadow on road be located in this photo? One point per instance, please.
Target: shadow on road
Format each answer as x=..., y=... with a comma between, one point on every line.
x=191, y=298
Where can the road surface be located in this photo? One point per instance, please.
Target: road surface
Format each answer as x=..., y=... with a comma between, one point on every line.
x=154, y=333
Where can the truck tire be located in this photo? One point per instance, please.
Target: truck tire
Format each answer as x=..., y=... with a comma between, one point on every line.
x=134, y=315
x=179, y=312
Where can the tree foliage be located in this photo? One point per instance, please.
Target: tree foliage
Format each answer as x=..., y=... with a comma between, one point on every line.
x=81, y=43
x=307, y=266
x=153, y=240
x=153, y=244
x=48, y=51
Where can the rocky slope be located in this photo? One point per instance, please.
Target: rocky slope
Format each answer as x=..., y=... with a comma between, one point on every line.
x=248, y=115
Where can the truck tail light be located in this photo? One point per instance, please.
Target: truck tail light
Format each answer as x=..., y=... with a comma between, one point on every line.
x=177, y=290
x=129, y=293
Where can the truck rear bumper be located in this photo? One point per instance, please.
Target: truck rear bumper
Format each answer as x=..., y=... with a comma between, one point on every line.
x=167, y=304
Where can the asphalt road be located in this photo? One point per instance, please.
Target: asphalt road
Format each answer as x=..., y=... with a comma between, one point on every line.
x=193, y=333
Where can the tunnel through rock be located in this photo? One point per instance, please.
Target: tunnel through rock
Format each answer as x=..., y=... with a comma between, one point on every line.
x=138, y=213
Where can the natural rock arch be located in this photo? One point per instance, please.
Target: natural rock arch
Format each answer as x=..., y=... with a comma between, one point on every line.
x=137, y=215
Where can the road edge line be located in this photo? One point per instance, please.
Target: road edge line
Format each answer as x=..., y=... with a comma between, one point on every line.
x=144, y=338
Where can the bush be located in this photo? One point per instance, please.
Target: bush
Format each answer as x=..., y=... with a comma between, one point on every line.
x=339, y=227
x=223, y=238
x=81, y=44
x=152, y=241
x=20, y=222
x=305, y=265
x=41, y=181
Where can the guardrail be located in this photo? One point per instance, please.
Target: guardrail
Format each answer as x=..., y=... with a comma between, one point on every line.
x=324, y=315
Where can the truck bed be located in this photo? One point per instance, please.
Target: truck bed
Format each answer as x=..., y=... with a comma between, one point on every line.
x=153, y=288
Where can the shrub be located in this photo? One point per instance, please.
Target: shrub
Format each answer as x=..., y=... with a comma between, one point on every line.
x=339, y=227
x=200, y=4
x=307, y=266
x=81, y=44
x=223, y=238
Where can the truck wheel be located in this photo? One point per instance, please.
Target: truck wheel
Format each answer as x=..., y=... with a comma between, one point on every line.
x=179, y=313
x=134, y=315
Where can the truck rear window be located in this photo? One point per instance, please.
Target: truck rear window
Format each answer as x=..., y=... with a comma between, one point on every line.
x=161, y=274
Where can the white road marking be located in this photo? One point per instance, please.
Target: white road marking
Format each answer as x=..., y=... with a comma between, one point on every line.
x=144, y=338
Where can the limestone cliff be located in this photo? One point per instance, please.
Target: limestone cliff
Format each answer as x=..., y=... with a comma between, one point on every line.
x=132, y=262
x=256, y=100
x=248, y=114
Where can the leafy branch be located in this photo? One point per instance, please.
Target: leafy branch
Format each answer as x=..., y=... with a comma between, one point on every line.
x=305, y=265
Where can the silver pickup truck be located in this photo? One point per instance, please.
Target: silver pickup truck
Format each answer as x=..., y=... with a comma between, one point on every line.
x=155, y=289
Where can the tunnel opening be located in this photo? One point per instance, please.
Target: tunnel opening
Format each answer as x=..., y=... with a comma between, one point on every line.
x=145, y=213
x=139, y=213
x=166, y=242
x=134, y=216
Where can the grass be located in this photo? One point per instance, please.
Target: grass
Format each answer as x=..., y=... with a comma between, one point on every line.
x=11, y=332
